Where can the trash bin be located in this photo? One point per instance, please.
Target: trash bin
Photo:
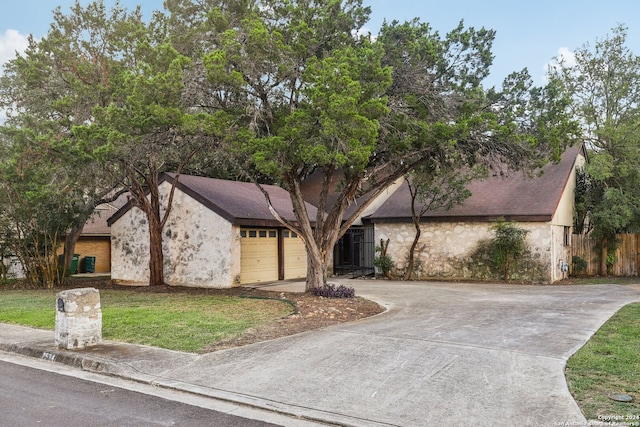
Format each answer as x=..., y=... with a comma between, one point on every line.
x=74, y=263
x=88, y=264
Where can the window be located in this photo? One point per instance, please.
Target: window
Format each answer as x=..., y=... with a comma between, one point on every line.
x=273, y=233
x=285, y=234
x=243, y=233
x=252, y=233
x=567, y=236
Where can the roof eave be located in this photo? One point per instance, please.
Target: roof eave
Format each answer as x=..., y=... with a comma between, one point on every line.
x=483, y=218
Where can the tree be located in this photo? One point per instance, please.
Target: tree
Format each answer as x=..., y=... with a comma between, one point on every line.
x=322, y=100
x=103, y=92
x=604, y=87
x=146, y=128
x=54, y=86
x=434, y=186
x=37, y=208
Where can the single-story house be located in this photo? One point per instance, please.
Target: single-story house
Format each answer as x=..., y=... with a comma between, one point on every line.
x=543, y=206
x=219, y=234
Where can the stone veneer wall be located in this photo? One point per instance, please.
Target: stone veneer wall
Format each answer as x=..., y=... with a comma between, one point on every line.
x=201, y=249
x=445, y=249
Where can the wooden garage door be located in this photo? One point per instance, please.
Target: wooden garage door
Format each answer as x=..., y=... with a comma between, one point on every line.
x=295, y=256
x=259, y=259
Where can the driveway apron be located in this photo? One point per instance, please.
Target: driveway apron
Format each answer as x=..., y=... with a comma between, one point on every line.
x=443, y=354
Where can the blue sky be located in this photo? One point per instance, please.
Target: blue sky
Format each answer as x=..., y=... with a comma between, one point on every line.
x=529, y=33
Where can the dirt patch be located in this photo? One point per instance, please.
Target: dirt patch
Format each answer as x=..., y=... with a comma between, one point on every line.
x=310, y=311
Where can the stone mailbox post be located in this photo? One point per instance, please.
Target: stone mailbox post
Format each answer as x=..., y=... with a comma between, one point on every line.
x=78, y=318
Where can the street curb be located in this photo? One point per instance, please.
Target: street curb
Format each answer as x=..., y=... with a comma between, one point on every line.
x=50, y=353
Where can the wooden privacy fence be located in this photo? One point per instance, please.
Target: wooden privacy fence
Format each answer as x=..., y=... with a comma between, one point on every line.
x=626, y=263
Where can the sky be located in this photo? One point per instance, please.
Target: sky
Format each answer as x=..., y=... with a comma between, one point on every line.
x=529, y=33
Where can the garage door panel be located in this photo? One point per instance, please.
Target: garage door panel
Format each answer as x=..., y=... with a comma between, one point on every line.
x=295, y=256
x=259, y=258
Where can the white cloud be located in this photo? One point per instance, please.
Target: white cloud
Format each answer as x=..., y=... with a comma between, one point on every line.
x=10, y=42
x=565, y=57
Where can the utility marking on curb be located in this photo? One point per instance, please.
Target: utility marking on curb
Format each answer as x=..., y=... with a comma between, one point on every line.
x=49, y=356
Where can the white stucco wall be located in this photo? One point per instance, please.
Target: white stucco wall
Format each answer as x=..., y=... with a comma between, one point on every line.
x=562, y=218
x=444, y=248
x=130, y=249
x=564, y=212
x=201, y=249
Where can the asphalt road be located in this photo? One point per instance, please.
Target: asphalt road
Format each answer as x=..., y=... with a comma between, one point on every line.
x=30, y=397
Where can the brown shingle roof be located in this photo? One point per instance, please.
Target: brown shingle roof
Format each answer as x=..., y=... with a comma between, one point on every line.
x=240, y=203
x=311, y=189
x=516, y=197
x=97, y=224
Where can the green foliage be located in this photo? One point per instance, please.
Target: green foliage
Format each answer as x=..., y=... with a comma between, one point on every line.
x=603, y=86
x=508, y=246
x=579, y=265
x=383, y=262
x=336, y=123
x=37, y=206
x=481, y=265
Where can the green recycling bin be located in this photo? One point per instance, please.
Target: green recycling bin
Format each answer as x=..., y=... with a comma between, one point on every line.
x=74, y=263
x=89, y=264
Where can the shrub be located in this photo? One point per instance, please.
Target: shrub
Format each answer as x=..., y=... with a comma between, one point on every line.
x=579, y=265
x=383, y=261
x=508, y=246
x=330, y=291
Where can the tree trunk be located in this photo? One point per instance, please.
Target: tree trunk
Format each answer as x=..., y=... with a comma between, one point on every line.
x=156, y=255
x=384, y=246
x=316, y=272
x=412, y=250
x=604, y=253
x=70, y=241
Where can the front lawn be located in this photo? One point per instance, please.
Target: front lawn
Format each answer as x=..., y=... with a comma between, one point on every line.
x=609, y=363
x=177, y=321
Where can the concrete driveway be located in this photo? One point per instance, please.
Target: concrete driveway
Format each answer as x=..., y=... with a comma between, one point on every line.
x=444, y=354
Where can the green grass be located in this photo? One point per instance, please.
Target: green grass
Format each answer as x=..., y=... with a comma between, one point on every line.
x=174, y=321
x=609, y=363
